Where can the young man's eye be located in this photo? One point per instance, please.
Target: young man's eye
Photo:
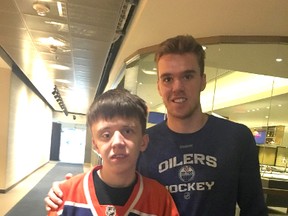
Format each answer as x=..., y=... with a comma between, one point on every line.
x=166, y=79
x=188, y=76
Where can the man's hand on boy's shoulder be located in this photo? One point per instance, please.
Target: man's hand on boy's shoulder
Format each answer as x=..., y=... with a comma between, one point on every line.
x=54, y=196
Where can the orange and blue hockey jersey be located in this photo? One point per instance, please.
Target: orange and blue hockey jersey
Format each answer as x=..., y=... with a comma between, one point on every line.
x=147, y=198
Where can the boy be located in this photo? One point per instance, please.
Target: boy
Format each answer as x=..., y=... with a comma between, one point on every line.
x=117, y=120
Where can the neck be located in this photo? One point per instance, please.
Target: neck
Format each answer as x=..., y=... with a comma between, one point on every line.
x=117, y=180
x=187, y=125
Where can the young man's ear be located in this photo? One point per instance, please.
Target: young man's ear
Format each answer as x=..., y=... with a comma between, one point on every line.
x=145, y=141
x=158, y=87
x=203, y=84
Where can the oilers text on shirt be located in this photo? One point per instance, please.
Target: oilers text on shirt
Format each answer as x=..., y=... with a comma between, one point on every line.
x=186, y=172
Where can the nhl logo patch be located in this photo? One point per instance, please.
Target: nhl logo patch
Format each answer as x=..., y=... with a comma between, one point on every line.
x=110, y=211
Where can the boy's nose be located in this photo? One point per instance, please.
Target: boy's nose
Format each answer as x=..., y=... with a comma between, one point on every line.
x=118, y=138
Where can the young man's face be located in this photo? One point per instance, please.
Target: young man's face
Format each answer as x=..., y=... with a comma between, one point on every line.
x=119, y=141
x=180, y=83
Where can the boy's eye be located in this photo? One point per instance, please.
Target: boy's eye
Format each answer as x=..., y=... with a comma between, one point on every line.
x=105, y=135
x=127, y=131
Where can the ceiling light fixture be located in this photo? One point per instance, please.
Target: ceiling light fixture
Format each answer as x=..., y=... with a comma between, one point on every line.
x=62, y=81
x=59, y=100
x=52, y=42
x=59, y=67
x=124, y=12
x=149, y=72
x=41, y=9
x=53, y=49
x=60, y=9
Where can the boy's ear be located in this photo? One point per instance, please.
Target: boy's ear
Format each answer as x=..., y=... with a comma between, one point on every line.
x=95, y=148
x=145, y=141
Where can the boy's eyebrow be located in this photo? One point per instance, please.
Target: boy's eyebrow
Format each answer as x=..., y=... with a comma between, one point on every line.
x=122, y=126
x=99, y=131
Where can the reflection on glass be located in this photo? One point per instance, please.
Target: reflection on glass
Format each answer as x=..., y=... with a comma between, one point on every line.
x=246, y=84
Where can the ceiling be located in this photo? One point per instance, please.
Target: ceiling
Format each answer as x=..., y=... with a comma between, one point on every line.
x=90, y=29
x=67, y=47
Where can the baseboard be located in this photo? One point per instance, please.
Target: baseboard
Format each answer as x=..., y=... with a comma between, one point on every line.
x=5, y=190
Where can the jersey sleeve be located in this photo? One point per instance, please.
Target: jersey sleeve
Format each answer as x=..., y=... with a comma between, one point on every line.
x=158, y=200
x=65, y=187
x=52, y=213
x=170, y=208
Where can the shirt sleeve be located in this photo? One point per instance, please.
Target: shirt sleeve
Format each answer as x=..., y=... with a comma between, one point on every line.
x=250, y=192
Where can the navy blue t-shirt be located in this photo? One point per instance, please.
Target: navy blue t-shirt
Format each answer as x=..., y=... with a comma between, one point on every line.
x=209, y=171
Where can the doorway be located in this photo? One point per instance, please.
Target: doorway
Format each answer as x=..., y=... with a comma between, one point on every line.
x=72, y=145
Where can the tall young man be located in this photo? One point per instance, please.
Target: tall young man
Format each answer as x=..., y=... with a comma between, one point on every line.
x=208, y=164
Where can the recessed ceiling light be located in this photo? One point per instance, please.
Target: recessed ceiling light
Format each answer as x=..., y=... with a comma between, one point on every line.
x=41, y=9
x=52, y=41
x=53, y=48
x=279, y=59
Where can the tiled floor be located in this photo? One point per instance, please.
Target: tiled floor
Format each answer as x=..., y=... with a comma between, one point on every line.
x=9, y=199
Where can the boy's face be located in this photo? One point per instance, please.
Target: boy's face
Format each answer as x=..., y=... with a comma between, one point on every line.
x=118, y=141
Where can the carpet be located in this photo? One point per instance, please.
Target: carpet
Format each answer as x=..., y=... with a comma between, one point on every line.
x=33, y=203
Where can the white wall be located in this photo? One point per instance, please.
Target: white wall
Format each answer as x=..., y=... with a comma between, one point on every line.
x=29, y=132
x=5, y=76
